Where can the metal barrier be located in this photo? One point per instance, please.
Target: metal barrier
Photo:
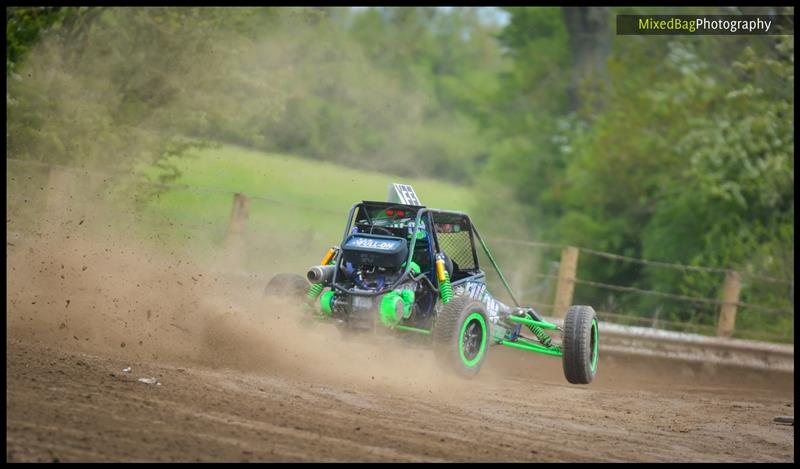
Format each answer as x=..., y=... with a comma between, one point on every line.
x=649, y=342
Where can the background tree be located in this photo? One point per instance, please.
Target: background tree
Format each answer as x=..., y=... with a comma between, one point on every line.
x=674, y=148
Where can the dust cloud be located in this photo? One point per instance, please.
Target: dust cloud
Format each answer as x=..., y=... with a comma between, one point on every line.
x=83, y=282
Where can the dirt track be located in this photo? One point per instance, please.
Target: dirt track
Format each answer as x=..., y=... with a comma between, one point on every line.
x=242, y=380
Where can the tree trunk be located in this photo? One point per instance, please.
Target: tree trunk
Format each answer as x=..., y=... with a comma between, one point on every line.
x=590, y=36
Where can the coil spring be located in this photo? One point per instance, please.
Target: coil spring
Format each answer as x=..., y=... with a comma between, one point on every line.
x=314, y=291
x=445, y=289
x=540, y=334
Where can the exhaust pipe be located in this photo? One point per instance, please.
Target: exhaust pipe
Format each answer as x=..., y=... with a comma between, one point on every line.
x=320, y=273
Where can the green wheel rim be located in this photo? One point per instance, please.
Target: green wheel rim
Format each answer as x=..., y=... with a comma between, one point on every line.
x=594, y=345
x=473, y=318
x=325, y=303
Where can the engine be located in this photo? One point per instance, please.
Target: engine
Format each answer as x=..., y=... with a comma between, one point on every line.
x=367, y=263
x=371, y=261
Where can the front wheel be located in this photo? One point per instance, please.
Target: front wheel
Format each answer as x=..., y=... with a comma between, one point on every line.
x=461, y=335
x=579, y=347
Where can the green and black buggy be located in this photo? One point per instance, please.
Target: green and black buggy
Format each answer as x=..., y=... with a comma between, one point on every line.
x=405, y=267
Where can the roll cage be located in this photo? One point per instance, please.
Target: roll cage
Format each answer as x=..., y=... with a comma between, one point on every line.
x=451, y=232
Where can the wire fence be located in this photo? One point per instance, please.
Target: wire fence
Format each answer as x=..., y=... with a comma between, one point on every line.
x=537, y=296
x=693, y=299
x=667, y=265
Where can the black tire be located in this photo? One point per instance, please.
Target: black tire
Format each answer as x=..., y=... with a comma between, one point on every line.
x=580, y=345
x=461, y=335
x=290, y=287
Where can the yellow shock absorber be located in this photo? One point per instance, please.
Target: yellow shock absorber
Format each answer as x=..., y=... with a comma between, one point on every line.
x=440, y=272
x=445, y=289
x=328, y=256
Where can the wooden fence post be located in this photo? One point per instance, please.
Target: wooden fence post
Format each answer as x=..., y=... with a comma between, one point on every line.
x=566, y=281
x=234, y=241
x=730, y=297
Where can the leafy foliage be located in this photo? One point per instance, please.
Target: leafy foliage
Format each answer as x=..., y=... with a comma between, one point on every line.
x=682, y=153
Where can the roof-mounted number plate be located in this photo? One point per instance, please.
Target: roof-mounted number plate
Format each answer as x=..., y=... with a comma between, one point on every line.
x=403, y=194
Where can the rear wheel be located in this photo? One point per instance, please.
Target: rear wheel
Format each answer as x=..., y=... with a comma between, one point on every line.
x=290, y=287
x=461, y=335
x=580, y=345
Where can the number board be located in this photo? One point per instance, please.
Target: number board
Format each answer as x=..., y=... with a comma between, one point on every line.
x=404, y=194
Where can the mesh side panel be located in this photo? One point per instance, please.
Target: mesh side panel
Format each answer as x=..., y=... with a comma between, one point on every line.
x=452, y=230
x=458, y=248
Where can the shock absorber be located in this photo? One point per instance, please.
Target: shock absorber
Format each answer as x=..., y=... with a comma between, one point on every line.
x=328, y=256
x=315, y=289
x=445, y=289
x=540, y=334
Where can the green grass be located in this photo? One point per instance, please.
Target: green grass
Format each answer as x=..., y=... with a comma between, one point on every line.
x=298, y=207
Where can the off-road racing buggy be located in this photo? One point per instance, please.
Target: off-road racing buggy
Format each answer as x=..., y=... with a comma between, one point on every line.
x=405, y=267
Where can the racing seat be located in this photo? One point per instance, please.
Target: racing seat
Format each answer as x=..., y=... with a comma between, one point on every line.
x=422, y=257
x=449, y=265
